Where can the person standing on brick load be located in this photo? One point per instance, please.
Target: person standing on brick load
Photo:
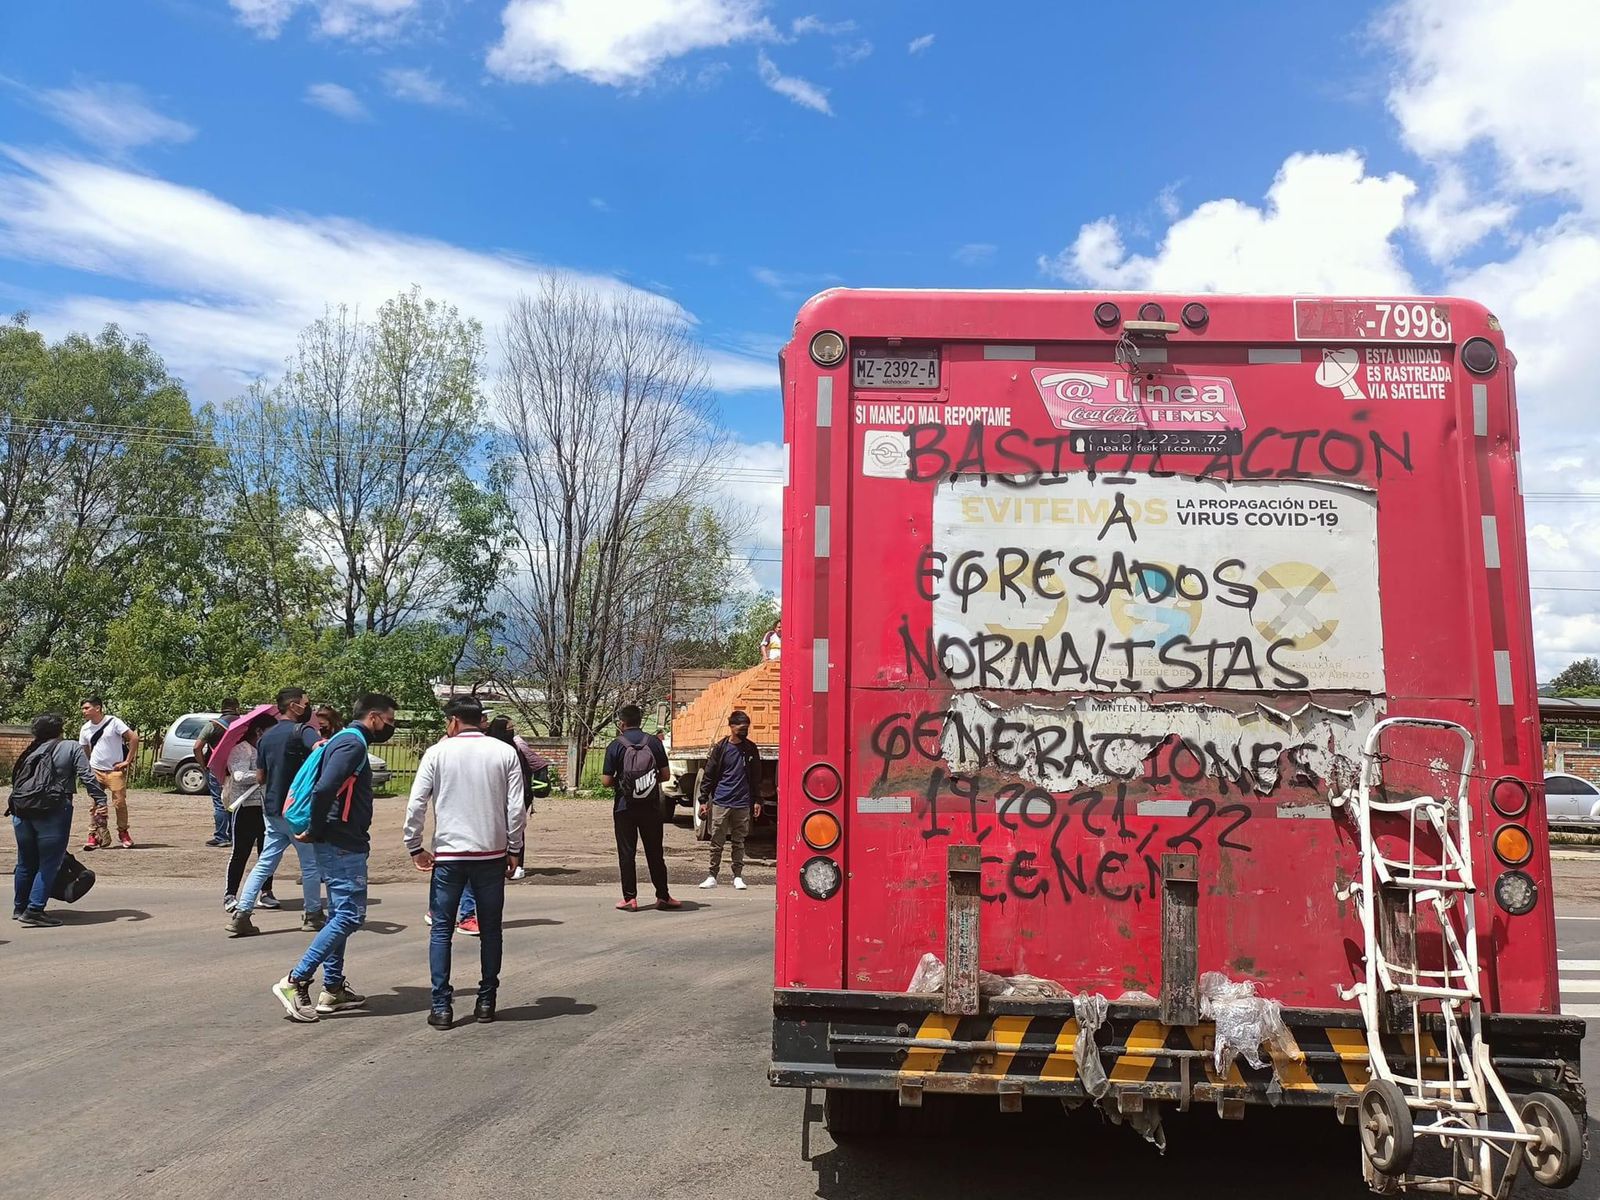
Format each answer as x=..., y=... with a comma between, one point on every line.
x=110, y=747
x=473, y=784
x=635, y=765
x=221, y=818
x=43, y=780
x=728, y=788
x=340, y=833
x=279, y=754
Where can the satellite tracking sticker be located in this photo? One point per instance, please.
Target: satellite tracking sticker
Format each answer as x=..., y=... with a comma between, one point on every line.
x=1387, y=372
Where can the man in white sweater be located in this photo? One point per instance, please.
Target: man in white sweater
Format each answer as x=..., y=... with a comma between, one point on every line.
x=473, y=784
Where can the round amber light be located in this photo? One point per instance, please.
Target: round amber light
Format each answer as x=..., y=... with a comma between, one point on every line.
x=820, y=830
x=1512, y=845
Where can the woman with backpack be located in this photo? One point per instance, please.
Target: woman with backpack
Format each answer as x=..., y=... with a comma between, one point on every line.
x=42, y=783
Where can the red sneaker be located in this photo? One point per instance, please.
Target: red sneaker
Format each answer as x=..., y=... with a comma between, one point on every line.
x=92, y=844
x=629, y=906
x=126, y=839
x=669, y=903
x=468, y=926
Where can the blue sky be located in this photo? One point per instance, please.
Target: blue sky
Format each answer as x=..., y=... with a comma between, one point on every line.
x=210, y=172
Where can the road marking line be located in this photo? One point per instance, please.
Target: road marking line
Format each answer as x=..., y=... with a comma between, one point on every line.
x=1578, y=964
x=1579, y=985
x=1589, y=1012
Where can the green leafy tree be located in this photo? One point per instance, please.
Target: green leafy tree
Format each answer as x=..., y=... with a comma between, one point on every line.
x=1580, y=678
x=104, y=476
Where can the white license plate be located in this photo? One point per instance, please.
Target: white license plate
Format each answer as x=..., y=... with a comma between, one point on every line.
x=918, y=369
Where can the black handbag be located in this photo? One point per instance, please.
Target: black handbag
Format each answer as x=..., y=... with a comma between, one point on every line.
x=73, y=881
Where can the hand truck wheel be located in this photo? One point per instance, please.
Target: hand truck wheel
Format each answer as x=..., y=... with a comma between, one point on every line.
x=1384, y=1119
x=1557, y=1156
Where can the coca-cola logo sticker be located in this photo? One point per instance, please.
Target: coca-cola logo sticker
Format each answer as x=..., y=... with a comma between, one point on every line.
x=1100, y=397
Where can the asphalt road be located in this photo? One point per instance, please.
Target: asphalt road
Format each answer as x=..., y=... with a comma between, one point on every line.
x=142, y=1055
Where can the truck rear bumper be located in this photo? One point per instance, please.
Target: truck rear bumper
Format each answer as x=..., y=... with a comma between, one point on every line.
x=898, y=1042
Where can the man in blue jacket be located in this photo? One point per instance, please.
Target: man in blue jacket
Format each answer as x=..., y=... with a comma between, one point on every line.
x=340, y=828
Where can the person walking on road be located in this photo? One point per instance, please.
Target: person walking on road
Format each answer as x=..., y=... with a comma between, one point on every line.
x=728, y=789
x=42, y=782
x=110, y=746
x=241, y=794
x=635, y=765
x=340, y=831
x=221, y=815
x=473, y=785
x=279, y=753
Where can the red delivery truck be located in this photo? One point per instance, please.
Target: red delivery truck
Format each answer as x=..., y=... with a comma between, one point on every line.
x=1159, y=722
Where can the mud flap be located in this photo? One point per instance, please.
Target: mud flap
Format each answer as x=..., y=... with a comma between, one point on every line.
x=1180, y=940
x=963, y=900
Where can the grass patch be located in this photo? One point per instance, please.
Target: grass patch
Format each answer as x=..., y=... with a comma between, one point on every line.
x=1563, y=838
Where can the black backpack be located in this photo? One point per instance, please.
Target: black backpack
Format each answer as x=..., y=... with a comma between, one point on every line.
x=638, y=771
x=33, y=789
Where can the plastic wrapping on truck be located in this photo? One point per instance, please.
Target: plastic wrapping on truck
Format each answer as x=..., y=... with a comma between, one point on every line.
x=1146, y=1122
x=1245, y=1021
x=1090, y=1011
x=929, y=978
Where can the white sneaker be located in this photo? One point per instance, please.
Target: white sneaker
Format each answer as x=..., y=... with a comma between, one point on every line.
x=710, y=882
x=739, y=883
x=518, y=873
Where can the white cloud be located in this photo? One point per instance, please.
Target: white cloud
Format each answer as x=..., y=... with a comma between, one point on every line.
x=418, y=85
x=1449, y=222
x=1326, y=226
x=352, y=20
x=1522, y=77
x=792, y=284
x=801, y=91
x=619, y=43
x=815, y=24
x=1167, y=201
x=918, y=45
x=1502, y=99
x=848, y=54
x=599, y=204
x=337, y=99
x=974, y=253
x=113, y=117
x=231, y=289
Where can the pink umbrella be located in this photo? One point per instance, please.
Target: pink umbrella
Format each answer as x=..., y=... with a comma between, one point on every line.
x=231, y=737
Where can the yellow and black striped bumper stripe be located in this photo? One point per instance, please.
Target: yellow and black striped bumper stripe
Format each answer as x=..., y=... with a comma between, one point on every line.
x=1021, y=1047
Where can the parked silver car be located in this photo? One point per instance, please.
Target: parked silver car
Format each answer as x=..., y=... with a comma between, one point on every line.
x=1569, y=800
x=178, y=763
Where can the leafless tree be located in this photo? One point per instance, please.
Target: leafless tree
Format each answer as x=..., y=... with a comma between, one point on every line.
x=611, y=434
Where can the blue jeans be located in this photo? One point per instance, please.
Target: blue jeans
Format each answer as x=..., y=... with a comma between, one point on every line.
x=345, y=872
x=469, y=903
x=221, y=818
x=41, y=845
x=487, y=878
x=279, y=838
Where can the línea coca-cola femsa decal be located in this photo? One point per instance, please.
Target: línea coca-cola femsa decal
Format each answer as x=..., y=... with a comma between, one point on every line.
x=1096, y=399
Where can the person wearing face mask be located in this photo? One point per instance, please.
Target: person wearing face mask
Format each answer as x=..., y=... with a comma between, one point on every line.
x=340, y=833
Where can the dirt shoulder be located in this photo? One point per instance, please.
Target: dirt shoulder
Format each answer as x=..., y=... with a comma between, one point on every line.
x=569, y=841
